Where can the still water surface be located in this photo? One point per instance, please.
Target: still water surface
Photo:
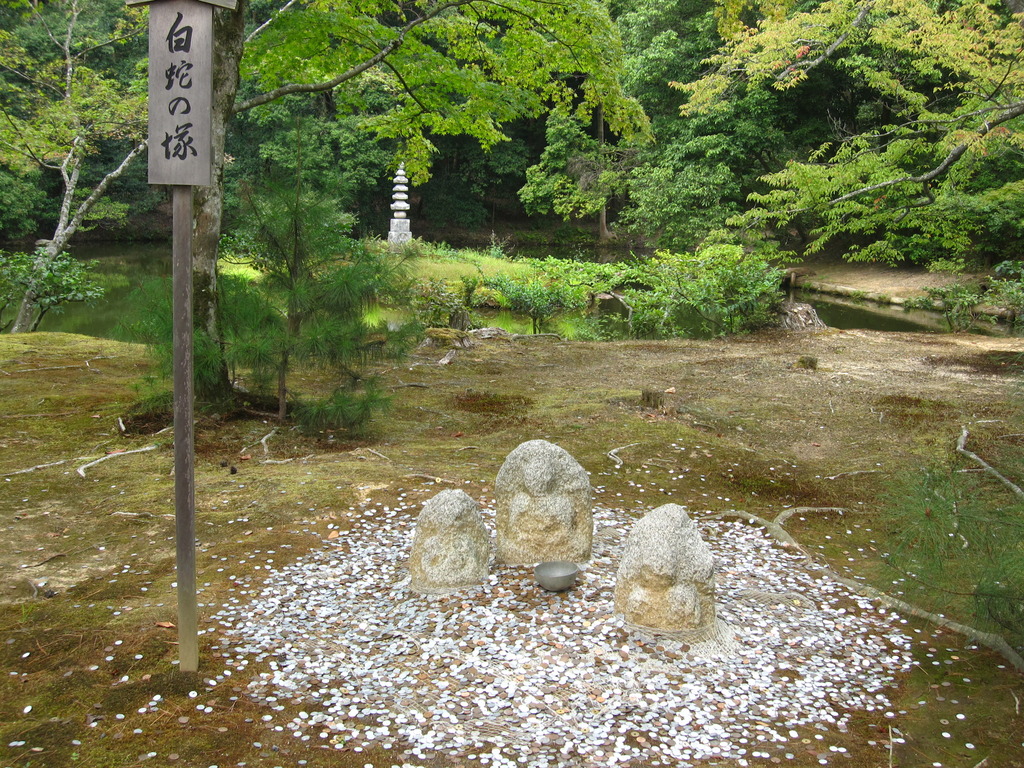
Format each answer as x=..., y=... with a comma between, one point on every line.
x=124, y=268
x=121, y=270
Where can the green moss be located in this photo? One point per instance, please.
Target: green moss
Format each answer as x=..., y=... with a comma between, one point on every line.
x=742, y=429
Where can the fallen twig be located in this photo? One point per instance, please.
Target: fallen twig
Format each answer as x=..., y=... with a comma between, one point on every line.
x=44, y=562
x=613, y=454
x=378, y=453
x=961, y=448
x=33, y=469
x=855, y=472
x=81, y=469
x=262, y=441
x=418, y=384
x=432, y=478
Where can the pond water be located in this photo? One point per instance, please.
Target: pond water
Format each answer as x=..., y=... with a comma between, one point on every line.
x=121, y=270
x=124, y=268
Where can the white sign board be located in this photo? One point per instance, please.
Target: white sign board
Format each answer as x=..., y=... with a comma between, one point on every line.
x=180, y=90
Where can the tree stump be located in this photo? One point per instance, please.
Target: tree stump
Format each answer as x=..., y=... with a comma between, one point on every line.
x=652, y=398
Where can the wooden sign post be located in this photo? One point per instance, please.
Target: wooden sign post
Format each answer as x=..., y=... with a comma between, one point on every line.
x=181, y=154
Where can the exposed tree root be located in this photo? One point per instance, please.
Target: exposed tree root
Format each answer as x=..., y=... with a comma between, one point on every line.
x=784, y=515
x=961, y=448
x=774, y=527
x=33, y=469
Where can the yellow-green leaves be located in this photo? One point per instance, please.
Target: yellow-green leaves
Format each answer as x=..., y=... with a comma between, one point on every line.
x=455, y=67
x=941, y=91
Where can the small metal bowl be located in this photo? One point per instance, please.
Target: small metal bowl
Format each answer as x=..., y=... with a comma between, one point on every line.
x=556, y=575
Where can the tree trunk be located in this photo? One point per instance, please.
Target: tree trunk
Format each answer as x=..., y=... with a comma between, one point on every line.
x=229, y=34
x=26, y=320
x=603, y=233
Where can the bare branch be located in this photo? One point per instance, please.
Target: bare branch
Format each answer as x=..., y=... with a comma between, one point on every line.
x=1014, y=110
x=269, y=21
x=806, y=66
x=33, y=469
x=98, y=192
x=105, y=43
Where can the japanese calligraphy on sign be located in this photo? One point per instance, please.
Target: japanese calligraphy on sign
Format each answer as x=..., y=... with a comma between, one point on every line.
x=180, y=88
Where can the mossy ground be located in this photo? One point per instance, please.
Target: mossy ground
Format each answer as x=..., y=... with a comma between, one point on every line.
x=86, y=579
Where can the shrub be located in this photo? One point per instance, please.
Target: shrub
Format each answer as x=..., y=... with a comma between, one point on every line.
x=729, y=290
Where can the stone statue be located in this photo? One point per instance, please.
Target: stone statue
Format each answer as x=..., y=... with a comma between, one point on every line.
x=543, y=506
x=450, y=546
x=666, y=580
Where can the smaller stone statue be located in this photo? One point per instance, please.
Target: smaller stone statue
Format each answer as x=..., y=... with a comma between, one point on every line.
x=543, y=506
x=450, y=546
x=399, y=232
x=666, y=580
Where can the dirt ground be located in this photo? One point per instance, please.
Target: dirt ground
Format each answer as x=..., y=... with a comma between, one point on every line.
x=766, y=422
x=878, y=280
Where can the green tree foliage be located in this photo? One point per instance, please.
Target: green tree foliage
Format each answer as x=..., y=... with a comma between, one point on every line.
x=736, y=16
x=452, y=68
x=728, y=288
x=702, y=166
x=64, y=281
x=537, y=298
x=21, y=200
x=578, y=173
x=458, y=67
x=66, y=95
x=339, y=159
x=316, y=286
x=470, y=186
x=936, y=130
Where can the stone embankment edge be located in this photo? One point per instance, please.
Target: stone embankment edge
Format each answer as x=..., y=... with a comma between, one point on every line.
x=879, y=297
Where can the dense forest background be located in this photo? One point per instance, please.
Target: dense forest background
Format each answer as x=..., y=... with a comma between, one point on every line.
x=881, y=130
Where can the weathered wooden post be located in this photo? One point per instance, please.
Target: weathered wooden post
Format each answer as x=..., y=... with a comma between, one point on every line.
x=180, y=154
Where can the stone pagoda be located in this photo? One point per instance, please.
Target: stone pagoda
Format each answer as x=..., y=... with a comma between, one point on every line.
x=400, y=232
